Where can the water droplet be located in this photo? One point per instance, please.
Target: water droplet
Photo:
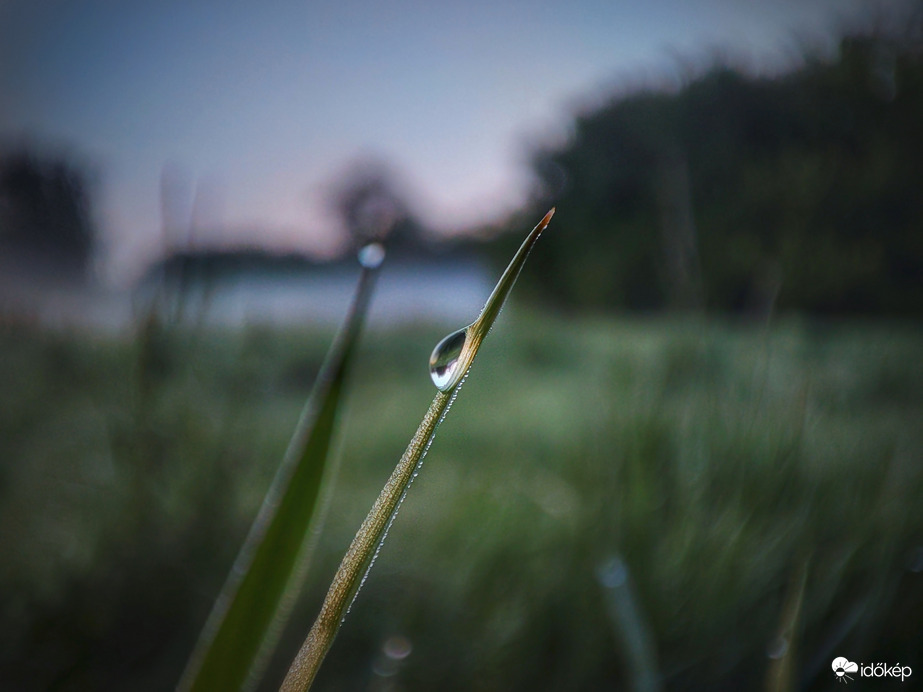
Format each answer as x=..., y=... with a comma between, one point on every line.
x=613, y=573
x=397, y=647
x=453, y=356
x=444, y=364
x=371, y=255
x=385, y=667
x=777, y=648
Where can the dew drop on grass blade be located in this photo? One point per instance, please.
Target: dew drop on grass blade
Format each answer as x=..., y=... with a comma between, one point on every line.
x=449, y=365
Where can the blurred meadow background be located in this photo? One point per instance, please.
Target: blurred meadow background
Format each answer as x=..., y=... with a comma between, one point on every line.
x=689, y=454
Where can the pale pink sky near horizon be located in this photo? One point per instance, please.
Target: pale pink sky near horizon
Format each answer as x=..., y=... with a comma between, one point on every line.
x=263, y=105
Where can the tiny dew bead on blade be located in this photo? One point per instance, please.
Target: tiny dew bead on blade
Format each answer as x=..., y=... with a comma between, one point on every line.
x=453, y=355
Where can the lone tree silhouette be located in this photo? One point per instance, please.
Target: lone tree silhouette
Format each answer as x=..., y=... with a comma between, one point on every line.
x=371, y=202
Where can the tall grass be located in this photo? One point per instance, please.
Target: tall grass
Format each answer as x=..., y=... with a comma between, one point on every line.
x=711, y=456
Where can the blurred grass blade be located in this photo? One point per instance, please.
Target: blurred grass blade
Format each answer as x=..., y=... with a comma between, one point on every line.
x=782, y=671
x=360, y=556
x=629, y=625
x=251, y=609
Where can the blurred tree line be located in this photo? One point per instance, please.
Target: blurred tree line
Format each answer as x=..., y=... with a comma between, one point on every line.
x=744, y=193
x=45, y=210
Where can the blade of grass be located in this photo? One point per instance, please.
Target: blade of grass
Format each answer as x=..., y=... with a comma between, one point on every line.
x=363, y=550
x=251, y=609
x=783, y=668
x=630, y=626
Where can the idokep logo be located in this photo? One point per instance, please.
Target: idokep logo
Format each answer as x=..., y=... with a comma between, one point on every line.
x=842, y=668
x=845, y=670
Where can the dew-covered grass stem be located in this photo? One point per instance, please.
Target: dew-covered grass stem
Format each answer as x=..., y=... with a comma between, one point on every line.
x=448, y=372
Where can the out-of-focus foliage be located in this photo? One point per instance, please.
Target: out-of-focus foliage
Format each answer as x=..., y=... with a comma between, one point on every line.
x=712, y=459
x=45, y=210
x=802, y=191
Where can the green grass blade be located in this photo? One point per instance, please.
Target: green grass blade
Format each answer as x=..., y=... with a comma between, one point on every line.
x=782, y=673
x=251, y=609
x=360, y=556
x=630, y=626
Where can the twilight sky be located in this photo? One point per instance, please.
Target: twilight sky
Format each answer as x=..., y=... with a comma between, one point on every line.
x=260, y=106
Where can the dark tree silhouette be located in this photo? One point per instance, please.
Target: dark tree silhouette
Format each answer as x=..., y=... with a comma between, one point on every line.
x=372, y=206
x=746, y=193
x=45, y=212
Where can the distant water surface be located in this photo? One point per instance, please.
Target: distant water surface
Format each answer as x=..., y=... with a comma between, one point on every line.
x=449, y=292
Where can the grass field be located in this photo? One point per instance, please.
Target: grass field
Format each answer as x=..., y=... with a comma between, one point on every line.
x=611, y=503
